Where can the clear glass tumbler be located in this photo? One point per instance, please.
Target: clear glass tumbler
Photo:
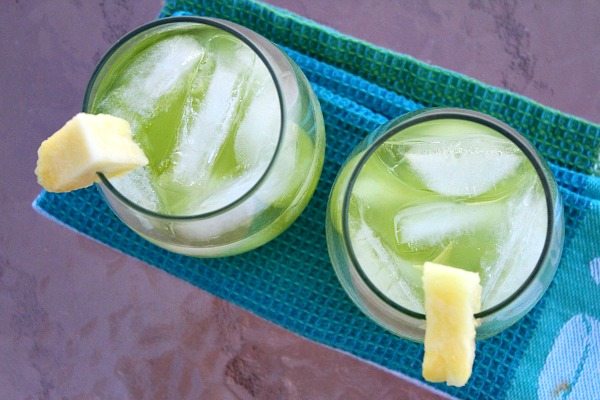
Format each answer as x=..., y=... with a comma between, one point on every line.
x=398, y=202
x=258, y=213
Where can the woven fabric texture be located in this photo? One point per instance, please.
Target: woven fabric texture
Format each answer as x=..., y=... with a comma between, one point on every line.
x=290, y=281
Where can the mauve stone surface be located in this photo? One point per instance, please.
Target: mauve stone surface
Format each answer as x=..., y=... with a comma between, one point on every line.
x=81, y=321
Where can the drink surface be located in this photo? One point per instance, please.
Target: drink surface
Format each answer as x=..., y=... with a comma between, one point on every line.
x=453, y=192
x=205, y=110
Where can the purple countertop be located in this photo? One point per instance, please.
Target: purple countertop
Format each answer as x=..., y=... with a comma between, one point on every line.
x=80, y=321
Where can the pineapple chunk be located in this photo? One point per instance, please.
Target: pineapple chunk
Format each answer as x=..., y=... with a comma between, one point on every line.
x=85, y=145
x=452, y=296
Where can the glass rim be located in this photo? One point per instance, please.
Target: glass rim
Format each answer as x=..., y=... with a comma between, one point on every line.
x=430, y=114
x=220, y=24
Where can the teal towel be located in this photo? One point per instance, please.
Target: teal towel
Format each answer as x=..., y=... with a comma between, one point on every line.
x=554, y=352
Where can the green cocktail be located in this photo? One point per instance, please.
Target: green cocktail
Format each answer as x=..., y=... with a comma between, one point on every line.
x=232, y=130
x=452, y=187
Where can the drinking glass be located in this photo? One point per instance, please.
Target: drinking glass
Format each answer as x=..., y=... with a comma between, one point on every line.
x=256, y=216
x=398, y=316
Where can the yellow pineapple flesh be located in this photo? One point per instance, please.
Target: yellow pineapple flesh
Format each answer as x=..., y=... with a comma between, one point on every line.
x=452, y=297
x=87, y=144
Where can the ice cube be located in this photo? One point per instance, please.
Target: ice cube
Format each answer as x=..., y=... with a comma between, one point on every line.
x=223, y=230
x=212, y=236
x=226, y=192
x=283, y=183
x=258, y=131
x=208, y=122
x=463, y=166
x=384, y=268
x=137, y=187
x=214, y=193
x=437, y=222
x=520, y=244
x=159, y=70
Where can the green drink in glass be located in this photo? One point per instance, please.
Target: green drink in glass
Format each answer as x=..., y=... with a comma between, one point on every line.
x=449, y=186
x=231, y=128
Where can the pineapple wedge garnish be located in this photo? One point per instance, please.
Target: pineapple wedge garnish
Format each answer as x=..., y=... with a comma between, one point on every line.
x=452, y=297
x=85, y=145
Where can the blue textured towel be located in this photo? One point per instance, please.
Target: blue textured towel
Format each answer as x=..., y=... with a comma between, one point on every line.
x=553, y=353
